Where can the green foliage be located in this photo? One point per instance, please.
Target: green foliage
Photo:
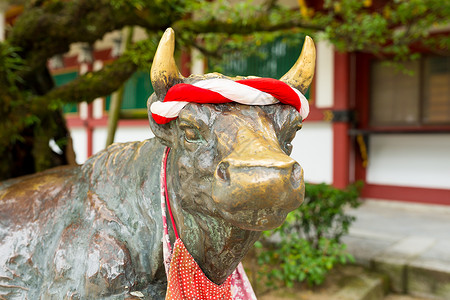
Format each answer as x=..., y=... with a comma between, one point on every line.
x=388, y=30
x=10, y=64
x=297, y=260
x=141, y=53
x=11, y=97
x=308, y=244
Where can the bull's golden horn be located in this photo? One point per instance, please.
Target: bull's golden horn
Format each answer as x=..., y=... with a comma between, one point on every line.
x=302, y=73
x=164, y=73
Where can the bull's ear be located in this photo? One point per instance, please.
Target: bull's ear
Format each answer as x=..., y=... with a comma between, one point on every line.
x=301, y=74
x=166, y=133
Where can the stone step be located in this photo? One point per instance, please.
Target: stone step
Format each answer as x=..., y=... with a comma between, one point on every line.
x=365, y=286
x=408, y=242
x=417, y=266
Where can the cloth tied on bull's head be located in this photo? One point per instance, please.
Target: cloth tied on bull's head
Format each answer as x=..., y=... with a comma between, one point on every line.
x=186, y=280
x=254, y=91
x=250, y=91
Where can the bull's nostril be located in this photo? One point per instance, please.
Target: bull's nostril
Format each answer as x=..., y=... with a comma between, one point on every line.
x=222, y=171
x=296, y=175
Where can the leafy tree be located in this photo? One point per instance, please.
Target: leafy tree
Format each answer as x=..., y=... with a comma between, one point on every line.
x=30, y=104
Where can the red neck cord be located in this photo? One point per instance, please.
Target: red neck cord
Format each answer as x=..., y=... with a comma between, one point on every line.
x=166, y=193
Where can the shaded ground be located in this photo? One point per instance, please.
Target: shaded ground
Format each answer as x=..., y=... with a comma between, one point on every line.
x=402, y=297
x=334, y=282
x=330, y=287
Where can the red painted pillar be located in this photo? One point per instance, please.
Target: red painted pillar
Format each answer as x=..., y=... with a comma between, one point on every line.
x=86, y=65
x=185, y=63
x=341, y=139
x=362, y=80
x=89, y=130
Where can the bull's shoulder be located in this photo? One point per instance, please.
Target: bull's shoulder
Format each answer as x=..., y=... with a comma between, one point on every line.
x=123, y=159
x=100, y=257
x=109, y=266
x=125, y=179
x=90, y=264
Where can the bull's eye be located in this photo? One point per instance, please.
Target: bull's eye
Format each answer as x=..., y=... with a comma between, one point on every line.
x=192, y=135
x=288, y=148
x=287, y=144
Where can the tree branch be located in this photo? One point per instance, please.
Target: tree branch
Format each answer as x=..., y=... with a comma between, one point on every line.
x=44, y=31
x=258, y=24
x=89, y=86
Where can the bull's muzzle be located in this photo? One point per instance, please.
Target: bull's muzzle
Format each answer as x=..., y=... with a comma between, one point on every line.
x=255, y=189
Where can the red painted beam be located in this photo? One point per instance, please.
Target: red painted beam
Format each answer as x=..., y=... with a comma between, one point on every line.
x=315, y=114
x=409, y=194
x=73, y=122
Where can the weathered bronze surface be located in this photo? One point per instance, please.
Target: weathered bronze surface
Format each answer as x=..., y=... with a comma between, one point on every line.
x=94, y=231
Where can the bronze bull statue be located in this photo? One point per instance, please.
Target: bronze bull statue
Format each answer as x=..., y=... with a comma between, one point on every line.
x=94, y=231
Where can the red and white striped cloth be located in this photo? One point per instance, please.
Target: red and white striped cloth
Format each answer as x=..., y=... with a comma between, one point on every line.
x=255, y=91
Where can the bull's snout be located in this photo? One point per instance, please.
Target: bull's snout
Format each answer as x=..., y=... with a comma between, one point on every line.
x=256, y=191
x=289, y=169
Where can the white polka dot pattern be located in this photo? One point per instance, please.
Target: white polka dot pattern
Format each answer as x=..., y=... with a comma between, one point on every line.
x=187, y=280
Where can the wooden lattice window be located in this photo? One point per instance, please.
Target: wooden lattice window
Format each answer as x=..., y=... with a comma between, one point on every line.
x=436, y=108
x=421, y=97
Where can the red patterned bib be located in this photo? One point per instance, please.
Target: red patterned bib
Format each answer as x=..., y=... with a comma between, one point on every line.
x=187, y=281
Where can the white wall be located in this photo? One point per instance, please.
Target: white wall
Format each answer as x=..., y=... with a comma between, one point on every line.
x=197, y=62
x=123, y=134
x=2, y=22
x=79, y=143
x=99, y=139
x=313, y=150
x=129, y=134
x=324, y=75
x=416, y=160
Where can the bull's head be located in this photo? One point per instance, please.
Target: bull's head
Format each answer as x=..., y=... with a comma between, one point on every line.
x=229, y=163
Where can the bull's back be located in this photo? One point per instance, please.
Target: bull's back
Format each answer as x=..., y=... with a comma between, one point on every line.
x=30, y=198
x=34, y=211
x=84, y=231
